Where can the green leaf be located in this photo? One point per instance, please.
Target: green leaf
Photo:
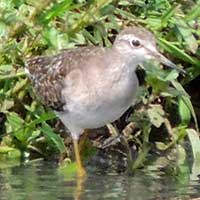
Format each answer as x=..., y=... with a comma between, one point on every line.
x=3, y=30
x=167, y=15
x=154, y=22
x=14, y=121
x=156, y=115
x=9, y=153
x=186, y=99
x=193, y=137
x=106, y=10
x=51, y=36
x=6, y=105
x=181, y=155
x=68, y=169
x=187, y=35
x=195, y=143
x=171, y=76
x=161, y=146
x=56, y=10
x=9, y=157
x=16, y=125
x=53, y=137
x=43, y=118
x=5, y=68
x=184, y=112
x=157, y=84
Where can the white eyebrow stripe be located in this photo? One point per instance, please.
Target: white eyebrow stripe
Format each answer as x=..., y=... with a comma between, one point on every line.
x=128, y=37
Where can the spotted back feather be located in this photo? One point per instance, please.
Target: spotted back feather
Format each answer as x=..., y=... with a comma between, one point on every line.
x=47, y=73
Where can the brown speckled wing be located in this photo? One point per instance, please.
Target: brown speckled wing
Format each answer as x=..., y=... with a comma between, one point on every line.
x=47, y=73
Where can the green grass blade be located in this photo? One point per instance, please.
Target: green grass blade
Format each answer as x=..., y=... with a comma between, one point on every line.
x=176, y=52
x=186, y=99
x=53, y=137
x=194, y=13
x=56, y=10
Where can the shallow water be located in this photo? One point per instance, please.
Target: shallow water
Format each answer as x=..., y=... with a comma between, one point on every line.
x=43, y=181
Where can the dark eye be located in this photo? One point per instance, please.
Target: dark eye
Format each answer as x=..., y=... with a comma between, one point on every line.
x=135, y=43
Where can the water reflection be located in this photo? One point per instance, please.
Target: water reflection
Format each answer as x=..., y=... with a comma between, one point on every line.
x=42, y=181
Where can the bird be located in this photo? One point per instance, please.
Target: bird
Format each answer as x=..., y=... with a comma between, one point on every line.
x=91, y=86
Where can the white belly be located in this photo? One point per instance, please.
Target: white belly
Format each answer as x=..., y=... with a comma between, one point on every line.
x=95, y=108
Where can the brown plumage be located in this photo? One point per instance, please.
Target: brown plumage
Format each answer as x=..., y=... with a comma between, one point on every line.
x=47, y=73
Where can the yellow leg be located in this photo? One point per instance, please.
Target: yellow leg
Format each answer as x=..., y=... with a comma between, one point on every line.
x=81, y=170
x=80, y=188
x=82, y=141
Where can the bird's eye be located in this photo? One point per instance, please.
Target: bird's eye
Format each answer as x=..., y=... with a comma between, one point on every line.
x=135, y=43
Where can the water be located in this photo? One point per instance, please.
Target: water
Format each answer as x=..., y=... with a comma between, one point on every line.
x=43, y=181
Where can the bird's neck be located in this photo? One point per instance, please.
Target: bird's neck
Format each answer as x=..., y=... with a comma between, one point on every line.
x=122, y=61
x=120, y=66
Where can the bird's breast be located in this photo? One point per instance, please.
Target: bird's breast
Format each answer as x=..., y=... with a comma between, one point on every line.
x=92, y=105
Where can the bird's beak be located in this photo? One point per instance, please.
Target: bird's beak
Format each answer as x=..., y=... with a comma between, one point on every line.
x=158, y=56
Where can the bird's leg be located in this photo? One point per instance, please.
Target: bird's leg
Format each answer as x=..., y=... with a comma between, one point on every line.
x=83, y=141
x=80, y=187
x=81, y=170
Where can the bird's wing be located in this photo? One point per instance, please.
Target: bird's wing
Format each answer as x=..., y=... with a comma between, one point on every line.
x=47, y=73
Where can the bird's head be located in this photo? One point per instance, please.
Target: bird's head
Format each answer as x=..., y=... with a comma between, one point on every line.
x=139, y=45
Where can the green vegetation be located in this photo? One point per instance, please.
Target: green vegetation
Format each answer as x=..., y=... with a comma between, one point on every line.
x=29, y=28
